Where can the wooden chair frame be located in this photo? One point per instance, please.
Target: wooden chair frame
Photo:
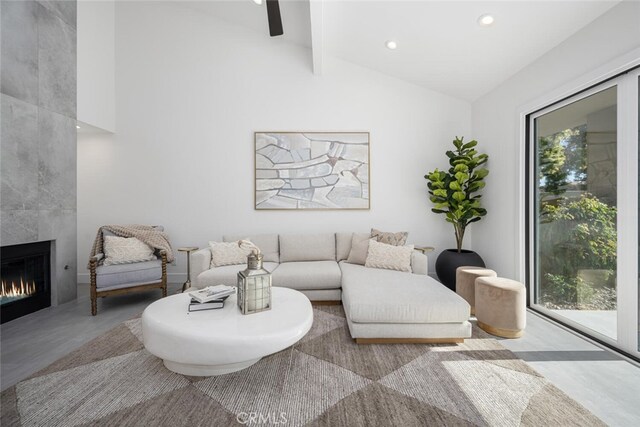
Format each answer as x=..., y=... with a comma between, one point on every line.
x=95, y=293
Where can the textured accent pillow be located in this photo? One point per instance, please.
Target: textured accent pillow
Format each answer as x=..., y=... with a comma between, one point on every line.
x=227, y=253
x=268, y=244
x=359, y=248
x=395, y=239
x=389, y=257
x=125, y=250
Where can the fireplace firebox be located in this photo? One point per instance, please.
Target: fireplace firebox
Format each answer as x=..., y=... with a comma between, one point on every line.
x=26, y=279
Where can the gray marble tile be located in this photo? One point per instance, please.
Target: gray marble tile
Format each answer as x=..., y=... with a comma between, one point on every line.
x=19, y=50
x=18, y=226
x=18, y=154
x=66, y=10
x=61, y=227
x=57, y=161
x=57, y=63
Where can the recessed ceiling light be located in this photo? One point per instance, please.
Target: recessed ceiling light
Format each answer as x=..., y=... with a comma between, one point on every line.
x=390, y=44
x=257, y=1
x=485, y=20
x=77, y=127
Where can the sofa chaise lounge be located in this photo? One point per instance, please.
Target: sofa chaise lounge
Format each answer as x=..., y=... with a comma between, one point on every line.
x=381, y=306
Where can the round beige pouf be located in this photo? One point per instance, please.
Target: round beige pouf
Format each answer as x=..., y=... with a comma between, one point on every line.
x=501, y=306
x=465, y=282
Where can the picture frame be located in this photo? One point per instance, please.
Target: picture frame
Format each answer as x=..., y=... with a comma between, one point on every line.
x=312, y=171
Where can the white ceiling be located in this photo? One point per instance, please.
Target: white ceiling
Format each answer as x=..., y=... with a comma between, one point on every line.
x=295, y=16
x=440, y=44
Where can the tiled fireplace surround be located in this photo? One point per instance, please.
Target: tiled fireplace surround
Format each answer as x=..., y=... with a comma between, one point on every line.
x=38, y=133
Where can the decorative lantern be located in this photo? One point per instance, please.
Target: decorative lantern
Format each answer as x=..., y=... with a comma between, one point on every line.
x=254, y=286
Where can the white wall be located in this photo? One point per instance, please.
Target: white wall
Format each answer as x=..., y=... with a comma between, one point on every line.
x=495, y=123
x=190, y=92
x=96, y=64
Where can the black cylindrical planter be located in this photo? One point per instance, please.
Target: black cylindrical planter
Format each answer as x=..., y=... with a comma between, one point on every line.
x=449, y=260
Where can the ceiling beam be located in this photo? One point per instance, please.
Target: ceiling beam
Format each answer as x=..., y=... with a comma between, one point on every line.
x=317, y=46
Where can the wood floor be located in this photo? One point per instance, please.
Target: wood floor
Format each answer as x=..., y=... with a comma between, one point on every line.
x=597, y=378
x=33, y=342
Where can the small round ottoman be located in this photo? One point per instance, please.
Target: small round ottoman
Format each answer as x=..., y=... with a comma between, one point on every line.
x=501, y=306
x=465, y=282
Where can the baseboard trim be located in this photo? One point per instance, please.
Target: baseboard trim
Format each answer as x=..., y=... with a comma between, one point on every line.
x=409, y=340
x=327, y=302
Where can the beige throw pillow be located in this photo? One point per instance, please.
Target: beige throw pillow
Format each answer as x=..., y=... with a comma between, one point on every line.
x=395, y=239
x=359, y=248
x=227, y=253
x=389, y=257
x=125, y=250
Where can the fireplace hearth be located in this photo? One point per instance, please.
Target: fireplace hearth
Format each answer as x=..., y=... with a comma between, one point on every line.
x=25, y=279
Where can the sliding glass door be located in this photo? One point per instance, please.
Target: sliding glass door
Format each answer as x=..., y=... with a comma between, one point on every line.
x=583, y=218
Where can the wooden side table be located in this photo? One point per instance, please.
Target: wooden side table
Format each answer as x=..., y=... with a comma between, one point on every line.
x=188, y=250
x=424, y=249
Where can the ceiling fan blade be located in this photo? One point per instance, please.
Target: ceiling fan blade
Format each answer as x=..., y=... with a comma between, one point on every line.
x=275, y=20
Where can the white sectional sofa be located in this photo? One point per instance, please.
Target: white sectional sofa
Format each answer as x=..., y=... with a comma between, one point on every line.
x=380, y=305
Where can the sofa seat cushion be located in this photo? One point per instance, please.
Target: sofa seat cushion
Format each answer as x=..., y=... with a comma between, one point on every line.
x=385, y=296
x=134, y=274
x=226, y=275
x=308, y=275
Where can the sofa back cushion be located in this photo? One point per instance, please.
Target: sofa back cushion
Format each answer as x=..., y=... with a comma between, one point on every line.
x=268, y=244
x=307, y=247
x=343, y=245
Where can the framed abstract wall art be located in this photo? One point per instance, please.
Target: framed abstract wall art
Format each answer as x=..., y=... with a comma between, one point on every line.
x=312, y=170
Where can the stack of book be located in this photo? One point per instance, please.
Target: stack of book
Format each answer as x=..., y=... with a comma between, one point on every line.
x=209, y=298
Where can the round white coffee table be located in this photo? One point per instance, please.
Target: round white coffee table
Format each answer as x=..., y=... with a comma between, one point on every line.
x=216, y=342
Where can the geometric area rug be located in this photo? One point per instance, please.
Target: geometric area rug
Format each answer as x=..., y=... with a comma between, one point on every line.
x=324, y=380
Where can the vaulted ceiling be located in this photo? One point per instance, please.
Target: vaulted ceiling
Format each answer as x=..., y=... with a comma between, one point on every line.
x=441, y=46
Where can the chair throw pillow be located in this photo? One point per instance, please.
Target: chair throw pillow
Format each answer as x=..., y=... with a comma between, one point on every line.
x=227, y=253
x=395, y=239
x=125, y=250
x=359, y=248
x=389, y=257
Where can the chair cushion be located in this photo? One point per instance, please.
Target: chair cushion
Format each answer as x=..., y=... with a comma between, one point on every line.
x=308, y=247
x=227, y=275
x=386, y=296
x=308, y=275
x=268, y=244
x=128, y=274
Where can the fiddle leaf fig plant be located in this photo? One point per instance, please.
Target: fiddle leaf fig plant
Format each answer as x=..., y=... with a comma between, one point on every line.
x=455, y=192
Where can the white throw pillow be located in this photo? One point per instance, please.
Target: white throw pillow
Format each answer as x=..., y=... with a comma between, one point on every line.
x=390, y=257
x=227, y=253
x=125, y=250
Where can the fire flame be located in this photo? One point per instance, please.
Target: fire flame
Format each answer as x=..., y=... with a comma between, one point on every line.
x=15, y=289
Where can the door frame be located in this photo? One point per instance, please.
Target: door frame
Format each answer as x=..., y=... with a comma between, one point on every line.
x=611, y=74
